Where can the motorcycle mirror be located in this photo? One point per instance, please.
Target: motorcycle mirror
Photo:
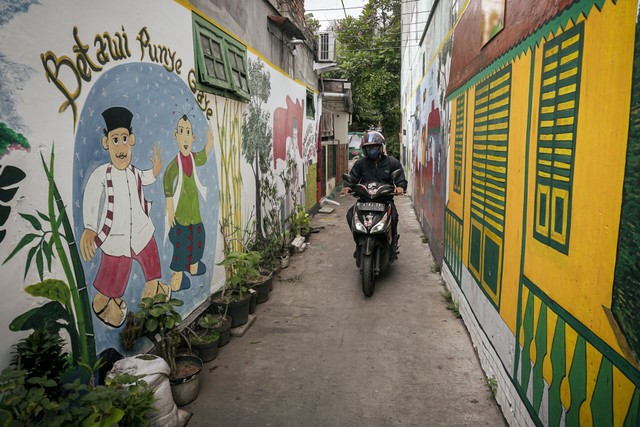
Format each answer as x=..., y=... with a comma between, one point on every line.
x=347, y=178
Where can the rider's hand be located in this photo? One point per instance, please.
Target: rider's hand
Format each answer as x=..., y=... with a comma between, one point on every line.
x=345, y=190
x=399, y=190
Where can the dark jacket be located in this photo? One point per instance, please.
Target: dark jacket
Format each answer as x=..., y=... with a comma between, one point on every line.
x=366, y=170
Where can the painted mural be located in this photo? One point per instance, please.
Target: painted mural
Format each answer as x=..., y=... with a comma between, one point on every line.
x=540, y=248
x=429, y=150
x=136, y=187
x=159, y=142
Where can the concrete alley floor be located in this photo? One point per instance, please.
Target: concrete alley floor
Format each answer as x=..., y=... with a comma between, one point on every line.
x=322, y=354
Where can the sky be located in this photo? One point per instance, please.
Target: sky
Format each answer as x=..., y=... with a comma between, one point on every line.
x=351, y=7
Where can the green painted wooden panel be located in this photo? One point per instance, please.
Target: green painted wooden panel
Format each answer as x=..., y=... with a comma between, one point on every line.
x=557, y=125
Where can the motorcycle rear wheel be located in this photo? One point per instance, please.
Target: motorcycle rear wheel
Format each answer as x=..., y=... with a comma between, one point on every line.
x=368, y=275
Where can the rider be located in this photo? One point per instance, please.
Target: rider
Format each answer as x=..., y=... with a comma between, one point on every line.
x=376, y=166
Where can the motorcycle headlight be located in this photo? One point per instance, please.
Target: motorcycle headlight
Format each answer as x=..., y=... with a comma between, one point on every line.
x=359, y=226
x=380, y=225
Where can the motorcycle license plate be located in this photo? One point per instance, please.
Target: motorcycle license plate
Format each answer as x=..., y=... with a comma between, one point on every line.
x=371, y=206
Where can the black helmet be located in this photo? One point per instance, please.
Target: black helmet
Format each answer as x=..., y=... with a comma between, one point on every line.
x=372, y=145
x=372, y=138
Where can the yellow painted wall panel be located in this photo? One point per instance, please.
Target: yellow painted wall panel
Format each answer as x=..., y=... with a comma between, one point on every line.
x=582, y=281
x=520, y=78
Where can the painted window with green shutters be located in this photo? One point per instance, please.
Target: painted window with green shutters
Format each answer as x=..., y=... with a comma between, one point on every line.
x=557, y=125
x=221, y=61
x=489, y=181
x=458, y=143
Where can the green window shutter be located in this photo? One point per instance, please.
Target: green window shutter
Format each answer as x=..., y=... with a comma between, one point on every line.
x=211, y=57
x=238, y=66
x=221, y=61
x=459, y=136
x=489, y=181
x=557, y=125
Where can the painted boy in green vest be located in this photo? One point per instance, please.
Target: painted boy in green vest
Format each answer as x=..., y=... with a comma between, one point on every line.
x=181, y=188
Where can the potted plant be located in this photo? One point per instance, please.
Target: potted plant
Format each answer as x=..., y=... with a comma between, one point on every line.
x=242, y=267
x=158, y=320
x=221, y=323
x=205, y=342
x=300, y=222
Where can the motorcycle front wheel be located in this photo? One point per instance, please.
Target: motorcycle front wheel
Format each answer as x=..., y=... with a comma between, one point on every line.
x=368, y=275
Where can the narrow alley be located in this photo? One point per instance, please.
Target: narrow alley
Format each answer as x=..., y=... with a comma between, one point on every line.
x=321, y=354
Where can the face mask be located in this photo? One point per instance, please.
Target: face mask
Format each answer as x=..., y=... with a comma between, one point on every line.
x=373, y=153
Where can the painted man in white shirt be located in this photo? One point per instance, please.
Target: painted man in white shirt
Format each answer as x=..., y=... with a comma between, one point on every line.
x=122, y=228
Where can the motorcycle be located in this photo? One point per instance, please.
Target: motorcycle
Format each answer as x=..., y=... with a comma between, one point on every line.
x=371, y=228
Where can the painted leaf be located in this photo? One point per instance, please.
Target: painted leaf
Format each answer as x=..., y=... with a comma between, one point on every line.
x=4, y=214
x=53, y=289
x=46, y=316
x=7, y=194
x=40, y=263
x=27, y=265
x=9, y=177
x=33, y=220
x=47, y=252
x=25, y=241
x=43, y=216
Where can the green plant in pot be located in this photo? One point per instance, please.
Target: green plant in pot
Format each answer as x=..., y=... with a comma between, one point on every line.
x=299, y=222
x=205, y=342
x=221, y=323
x=158, y=320
x=242, y=267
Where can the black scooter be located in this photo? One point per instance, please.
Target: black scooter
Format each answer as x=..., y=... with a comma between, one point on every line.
x=371, y=228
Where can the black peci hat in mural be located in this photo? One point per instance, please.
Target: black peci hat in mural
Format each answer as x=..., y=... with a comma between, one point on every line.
x=117, y=117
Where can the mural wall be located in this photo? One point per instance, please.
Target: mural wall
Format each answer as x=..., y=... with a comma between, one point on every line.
x=119, y=177
x=429, y=131
x=540, y=241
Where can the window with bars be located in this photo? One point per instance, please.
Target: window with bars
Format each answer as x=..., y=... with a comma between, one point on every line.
x=310, y=106
x=489, y=181
x=457, y=150
x=221, y=61
x=559, y=93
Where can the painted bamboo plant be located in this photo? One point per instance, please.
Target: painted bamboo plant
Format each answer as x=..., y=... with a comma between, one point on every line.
x=69, y=301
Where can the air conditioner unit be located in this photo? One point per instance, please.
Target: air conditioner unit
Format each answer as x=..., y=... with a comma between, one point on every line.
x=326, y=47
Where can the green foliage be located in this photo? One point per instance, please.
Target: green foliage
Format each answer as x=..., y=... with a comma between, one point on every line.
x=9, y=137
x=210, y=321
x=271, y=244
x=123, y=400
x=52, y=316
x=452, y=305
x=492, y=385
x=43, y=250
x=244, y=267
x=41, y=355
x=312, y=23
x=626, y=287
x=160, y=321
x=368, y=53
x=299, y=221
x=69, y=307
x=206, y=336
